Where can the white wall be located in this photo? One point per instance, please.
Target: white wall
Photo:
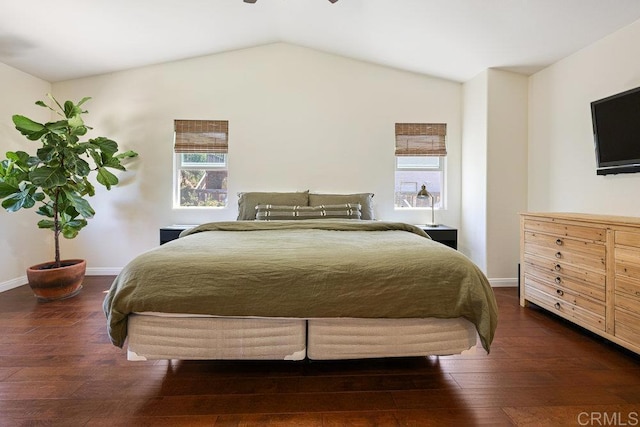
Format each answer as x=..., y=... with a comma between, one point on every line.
x=562, y=167
x=506, y=172
x=473, y=236
x=298, y=119
x=21, y=243
x=494, y=172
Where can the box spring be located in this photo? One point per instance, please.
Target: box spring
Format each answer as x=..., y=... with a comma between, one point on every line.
x=159, y=336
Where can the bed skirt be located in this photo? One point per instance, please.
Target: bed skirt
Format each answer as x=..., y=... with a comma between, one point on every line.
x=158, y=336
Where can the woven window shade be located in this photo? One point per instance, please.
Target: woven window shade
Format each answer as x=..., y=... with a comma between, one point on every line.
x=421, y=139
x=201, y=136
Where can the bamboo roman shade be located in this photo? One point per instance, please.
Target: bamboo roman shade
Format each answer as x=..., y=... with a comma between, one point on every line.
x=201, y=136
x=421, y=139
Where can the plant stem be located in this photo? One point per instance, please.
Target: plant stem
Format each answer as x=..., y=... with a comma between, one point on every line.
x=56, y=229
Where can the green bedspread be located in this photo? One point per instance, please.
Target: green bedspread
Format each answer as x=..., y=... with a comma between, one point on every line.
x=304, y=269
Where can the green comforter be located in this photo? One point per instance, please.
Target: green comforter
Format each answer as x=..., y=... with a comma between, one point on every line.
x=305, y=269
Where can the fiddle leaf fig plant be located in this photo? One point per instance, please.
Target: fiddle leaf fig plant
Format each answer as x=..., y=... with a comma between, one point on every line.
x=56, y=177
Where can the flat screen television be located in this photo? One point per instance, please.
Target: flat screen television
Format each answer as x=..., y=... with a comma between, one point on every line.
x=616, y=132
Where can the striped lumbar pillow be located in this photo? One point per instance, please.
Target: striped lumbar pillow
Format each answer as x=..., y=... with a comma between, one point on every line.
x=342, y=211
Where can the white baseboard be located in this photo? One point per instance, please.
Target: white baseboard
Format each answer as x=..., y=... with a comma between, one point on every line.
x=96, y=271
x=504, y=283
x=103, y=271
x=13, y=283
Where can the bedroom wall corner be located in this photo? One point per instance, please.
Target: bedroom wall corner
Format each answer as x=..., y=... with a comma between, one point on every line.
x=494, y=171
x=506, y=170
x=473, y=216
x=21, y=242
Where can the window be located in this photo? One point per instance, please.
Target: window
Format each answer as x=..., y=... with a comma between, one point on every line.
x=420, y=151
x=200, y=149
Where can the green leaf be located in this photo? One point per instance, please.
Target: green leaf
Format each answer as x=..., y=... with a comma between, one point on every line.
x=46, y=223
x=83, y=100
x=45, y=210
x=70, y=109
x=81, y=205
x=32, y=130
x=47, y=177
x=46, y=153
x=89, y=188
x=76, y=121
x=82, y=168
x=106, y=145
x=58, y=127
x=7, y=190
x=23, y=199
x=126, y=154
x=20, y=159
x=71, y=229
x=106, y=178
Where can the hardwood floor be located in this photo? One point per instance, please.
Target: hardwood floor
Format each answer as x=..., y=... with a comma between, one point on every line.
x=57, y=367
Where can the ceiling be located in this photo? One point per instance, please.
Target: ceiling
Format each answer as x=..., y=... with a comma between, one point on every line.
x=454, y=39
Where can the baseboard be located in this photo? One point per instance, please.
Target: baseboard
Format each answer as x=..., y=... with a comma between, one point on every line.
x=103, y=271
x=504, y=283
x=96, y=271
x=13, y=283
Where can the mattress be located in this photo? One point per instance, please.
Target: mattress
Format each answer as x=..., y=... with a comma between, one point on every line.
x=155, y=336
x=164, y=336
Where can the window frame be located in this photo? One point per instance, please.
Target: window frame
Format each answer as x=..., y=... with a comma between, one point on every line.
x=179, y=166
x=420, y=140
x=441, y=168
x=202, y=138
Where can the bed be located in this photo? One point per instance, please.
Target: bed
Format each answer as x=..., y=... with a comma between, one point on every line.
x=329, y=288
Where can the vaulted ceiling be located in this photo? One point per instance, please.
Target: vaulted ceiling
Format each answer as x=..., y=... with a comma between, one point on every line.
x=454, y=39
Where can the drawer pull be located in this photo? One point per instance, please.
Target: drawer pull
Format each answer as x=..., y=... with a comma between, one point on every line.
x=560, y=292
x=557, y=267
x=558, y=280
x=558, y=255
x=557, y=305
x=559, y=242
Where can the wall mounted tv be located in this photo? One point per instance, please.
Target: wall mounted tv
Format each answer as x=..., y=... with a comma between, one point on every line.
x=616, y=132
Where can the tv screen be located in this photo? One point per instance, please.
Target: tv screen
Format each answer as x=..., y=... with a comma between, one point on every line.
x=616, y=132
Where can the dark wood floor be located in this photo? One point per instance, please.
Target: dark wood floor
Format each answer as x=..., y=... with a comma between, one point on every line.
x=57, y=367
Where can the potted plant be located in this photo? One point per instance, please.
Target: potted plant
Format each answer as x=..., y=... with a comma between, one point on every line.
x=55, y=180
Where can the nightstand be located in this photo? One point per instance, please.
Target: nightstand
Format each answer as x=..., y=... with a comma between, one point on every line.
x=172, y=232
x=443, y=234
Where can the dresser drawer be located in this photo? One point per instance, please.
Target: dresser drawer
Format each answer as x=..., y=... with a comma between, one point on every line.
x=628, y=302
x=627, y=327
x=629, y=286
x=564, y=230
x=627, y=238
x=564, y=270
x=591, y=260
x=627, y=262
x=595, y=291
x=560, y=243
x=569, y=311
x=565, y=295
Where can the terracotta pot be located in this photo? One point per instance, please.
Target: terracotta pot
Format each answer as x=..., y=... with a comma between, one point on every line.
x=50, y=284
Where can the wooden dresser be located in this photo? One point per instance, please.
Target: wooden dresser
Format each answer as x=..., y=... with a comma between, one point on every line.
x=585, y=268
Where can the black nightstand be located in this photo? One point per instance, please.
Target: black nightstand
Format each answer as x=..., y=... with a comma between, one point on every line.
x=443, y=234
x=172, y=232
